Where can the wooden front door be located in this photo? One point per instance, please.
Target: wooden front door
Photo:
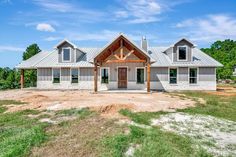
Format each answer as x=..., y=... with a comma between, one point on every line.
x=122, y=77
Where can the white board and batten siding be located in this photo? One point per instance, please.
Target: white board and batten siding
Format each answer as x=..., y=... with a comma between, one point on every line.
x=159, y=78
x=45, y=79
x=206, y=79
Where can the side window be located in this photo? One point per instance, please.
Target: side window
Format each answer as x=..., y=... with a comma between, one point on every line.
x=182, y=53
x=56, y=75
x=66, y=54
x=173, y=76
x=193, y=75
x=140, y=75
x=104, y=75
x=75, y=75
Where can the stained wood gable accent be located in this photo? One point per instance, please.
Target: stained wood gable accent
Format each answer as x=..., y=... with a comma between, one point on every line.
x=121, y=50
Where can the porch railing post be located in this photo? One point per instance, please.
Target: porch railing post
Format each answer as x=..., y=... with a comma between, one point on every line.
x=22, y=78
x=95, y=77
x=148, y=77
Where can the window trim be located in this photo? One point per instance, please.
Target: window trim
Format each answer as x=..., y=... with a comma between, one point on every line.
x=136, y=74
x=53, y=76
x=71, y=75
x=108, y=68
x=177, y=77
x=63, y=54
x=189, y=75
x=186, y=53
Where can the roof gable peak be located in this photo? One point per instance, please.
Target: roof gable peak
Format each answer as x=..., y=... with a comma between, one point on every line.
x=185, y=39
x=63, y=41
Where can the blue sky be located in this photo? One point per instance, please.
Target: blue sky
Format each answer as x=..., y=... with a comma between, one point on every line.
x=95, y=22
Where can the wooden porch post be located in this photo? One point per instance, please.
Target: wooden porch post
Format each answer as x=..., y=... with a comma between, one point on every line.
x=148, y=77
x=22, y=78
x=95, y=77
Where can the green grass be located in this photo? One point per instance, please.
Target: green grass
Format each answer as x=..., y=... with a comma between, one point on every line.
x=217, y=106
x=4, y=103
x=18, y=133
x=84, y=112
x=155, y=142
x=152, y=142
x=141, y=117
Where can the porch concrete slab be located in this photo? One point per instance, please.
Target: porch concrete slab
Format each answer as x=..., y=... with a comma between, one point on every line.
x=124, y=91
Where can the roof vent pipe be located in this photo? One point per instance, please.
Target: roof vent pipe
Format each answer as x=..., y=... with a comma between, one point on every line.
x=144, y=43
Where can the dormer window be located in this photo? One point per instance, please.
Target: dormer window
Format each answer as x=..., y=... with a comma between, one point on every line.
x=182, y=53
x=66, y=54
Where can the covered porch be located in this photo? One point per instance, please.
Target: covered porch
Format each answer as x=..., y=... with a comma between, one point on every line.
x=122, y=66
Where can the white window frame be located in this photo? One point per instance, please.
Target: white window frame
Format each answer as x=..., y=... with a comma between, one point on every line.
x=189, y=75
x=177, y=77
x=108, y=68
x=63, y=54
x=136, y=69
x=53, y=75
x=186, y=53
x=71, y=75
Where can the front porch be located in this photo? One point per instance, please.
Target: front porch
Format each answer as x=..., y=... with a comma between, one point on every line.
x=122, y=66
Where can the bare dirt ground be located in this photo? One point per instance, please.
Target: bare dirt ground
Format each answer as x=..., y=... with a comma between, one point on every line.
x=225, y=91
x=106, y=103
x=218, y=136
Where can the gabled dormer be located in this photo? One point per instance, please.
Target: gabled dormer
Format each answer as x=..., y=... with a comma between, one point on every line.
x=68, y=52
x=181, y=51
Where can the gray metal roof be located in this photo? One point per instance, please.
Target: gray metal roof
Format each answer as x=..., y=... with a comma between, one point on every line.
x=31, y=62
x=157, y=55
x=199, y=59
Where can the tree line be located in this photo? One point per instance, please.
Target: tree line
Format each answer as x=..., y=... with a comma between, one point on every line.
x=10, y=78
x=225, y=53
x=222, y=51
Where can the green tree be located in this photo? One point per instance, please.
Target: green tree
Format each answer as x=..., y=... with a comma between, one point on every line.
x=225, y=53
x=9, y=78
x=31, y=75
x=30, y=51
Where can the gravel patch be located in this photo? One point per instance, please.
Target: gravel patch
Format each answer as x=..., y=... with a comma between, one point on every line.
x=217, y=136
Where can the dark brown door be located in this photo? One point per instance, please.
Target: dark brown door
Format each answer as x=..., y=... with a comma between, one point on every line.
x=122, y=77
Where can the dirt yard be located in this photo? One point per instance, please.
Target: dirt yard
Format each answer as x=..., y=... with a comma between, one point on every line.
x=225, y=91
x=107, y=103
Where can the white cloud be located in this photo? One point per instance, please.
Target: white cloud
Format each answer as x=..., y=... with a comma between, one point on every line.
x=209, y=28
x=185, y=23
x=105, y=36
x=145, y=11
x=121, y=14
x=4, y=48
x=45, y=27
x=55, y=5
x=141, y=11
x=52, y=38
x=71, y=11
